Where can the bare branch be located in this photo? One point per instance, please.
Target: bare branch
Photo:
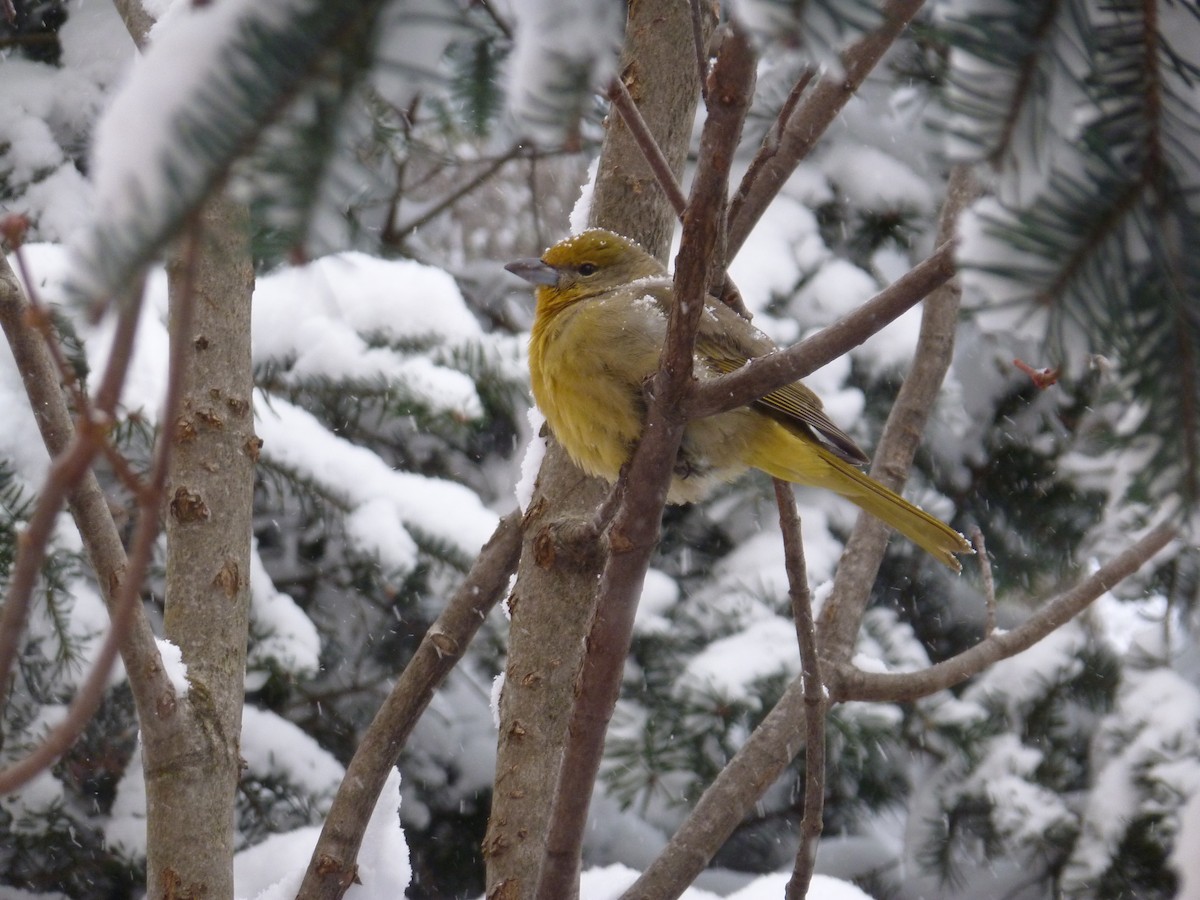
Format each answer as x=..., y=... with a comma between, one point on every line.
x=842, y=614
x=661, y=167
x=816, y=701
x=754, y=768
x=332, y=867
x=770, y=143
x=699, y=45
x=815, y=113
x=635, y=528
x=69, y=478
x=781, y=734
x=395, y=234
x=762, y=375
x=623, y=103
x=546, y=640
x=848, y=683
x=985, y=575
x=124, y=609
x=120, y=578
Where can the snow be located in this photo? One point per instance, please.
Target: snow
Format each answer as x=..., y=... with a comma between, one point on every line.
x=375, y=531
x=559, y=46
x=173, y=665
x=285, y=636
x=20, y=442
x=125, y=830
x=769, y=263
x=317, y=316
x=839, y=287
x=133, y=140
x=609, y=882
x=397, y=299
x=33, y=802
x=878, y=181
x=531, y=459
x=1145, y=753
x=1186, y=856
x=272, y=747
x=728, y=668
x=45, y=115
x=660, y=593
x=1022, y=680
x=1022, y=810
x=294, y=439
x=494, y=698
x=582, y=209
x=274, y=869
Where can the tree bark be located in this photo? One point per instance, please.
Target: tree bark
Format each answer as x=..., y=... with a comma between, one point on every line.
x=192, y=768
x=561, y=557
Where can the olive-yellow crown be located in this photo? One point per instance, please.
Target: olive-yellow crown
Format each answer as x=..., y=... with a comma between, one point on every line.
x=597, y=260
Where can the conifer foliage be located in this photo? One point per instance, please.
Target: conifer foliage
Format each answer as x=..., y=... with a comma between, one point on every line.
x=393, y=155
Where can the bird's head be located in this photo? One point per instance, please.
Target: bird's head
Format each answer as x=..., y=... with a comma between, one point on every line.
x=585, y=264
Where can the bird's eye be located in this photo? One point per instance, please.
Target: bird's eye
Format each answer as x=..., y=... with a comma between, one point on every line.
x=587, y=269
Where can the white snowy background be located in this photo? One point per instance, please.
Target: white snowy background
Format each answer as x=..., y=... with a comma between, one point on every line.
x=341, y=318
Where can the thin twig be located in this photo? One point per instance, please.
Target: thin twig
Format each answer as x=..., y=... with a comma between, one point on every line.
x=621, y=100
x=841, y=617
x=87, y=502
x=90, y=695
x=816, y=700
x=93, y=417
x=635, y=528
x=767, y=373
x=402, y=231
x=701, y=51
x=332, y=867
x=772, y=746
x=985, y=575
x=849, y=683
x=770, y=142
x=65, y=473
x=813, y=116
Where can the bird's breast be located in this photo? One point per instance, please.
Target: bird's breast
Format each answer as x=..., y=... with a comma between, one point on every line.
x=587, y=364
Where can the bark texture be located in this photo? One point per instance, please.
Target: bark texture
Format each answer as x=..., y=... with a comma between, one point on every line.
x=561, y=557
x=192, y=768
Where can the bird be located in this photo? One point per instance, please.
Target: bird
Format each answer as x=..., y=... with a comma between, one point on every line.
x=597, y=335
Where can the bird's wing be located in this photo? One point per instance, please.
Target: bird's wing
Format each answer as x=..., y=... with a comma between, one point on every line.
x=797, y=408
x=727, y=341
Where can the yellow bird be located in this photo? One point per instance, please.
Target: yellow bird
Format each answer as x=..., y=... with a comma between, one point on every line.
x=598, y=332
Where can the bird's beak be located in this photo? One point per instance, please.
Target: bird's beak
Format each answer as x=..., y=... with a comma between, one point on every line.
x=534, y=271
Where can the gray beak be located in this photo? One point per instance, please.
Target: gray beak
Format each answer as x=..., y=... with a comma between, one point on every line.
x=534, y=271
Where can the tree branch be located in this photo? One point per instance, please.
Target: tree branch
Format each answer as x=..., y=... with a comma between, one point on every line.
x=635, y=528
x=849, y=683
x=814, y=114
x=779, y=737
x=623, y=103
x=557, y=581
x=767, y=373
x=332, y=868
x=71, y=475
x=816, y=700
x=842, y=613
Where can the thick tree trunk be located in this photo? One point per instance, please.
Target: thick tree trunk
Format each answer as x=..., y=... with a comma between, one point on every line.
x=192, y=768
x=561, y=559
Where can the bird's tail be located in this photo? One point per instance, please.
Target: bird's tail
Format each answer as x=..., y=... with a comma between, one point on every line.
x=804, y=462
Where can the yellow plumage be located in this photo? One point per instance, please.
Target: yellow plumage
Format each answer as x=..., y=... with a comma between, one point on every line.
x=598, y=332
